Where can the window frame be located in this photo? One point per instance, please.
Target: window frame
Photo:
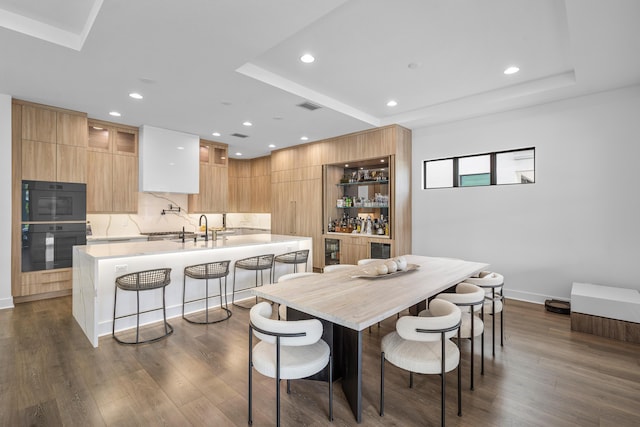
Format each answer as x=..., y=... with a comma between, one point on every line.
x=493, y=169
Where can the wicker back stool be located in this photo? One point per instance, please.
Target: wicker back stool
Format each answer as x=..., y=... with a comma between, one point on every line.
x=142, y=281
x=211, y=270
x=295, y=258
x=258, y=263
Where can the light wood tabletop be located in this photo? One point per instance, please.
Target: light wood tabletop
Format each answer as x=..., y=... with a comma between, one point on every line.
x=358, y=302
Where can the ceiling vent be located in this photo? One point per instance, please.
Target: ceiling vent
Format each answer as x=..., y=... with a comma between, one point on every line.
x=309, y=106
x=239, y=135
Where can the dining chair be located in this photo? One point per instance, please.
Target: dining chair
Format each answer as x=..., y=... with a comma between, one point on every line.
x=470, y=298
x=287, y=350
x=337, y=267
x=493, y=284
x=282, y=309
x=422, y=345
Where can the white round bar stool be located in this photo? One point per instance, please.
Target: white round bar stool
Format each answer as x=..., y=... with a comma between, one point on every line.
x=493, y=284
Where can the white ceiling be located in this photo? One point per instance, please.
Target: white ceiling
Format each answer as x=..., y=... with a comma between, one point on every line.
x=206, y=66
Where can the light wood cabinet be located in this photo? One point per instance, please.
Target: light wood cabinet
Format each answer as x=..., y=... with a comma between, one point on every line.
x=304, y=162
x=214, y=180
x=112, y=138
x=294, y=196
x=48, y=144
x=53, y=144
x=38, y=160
x=250, y=185
x=40, y=282
x=112, y=186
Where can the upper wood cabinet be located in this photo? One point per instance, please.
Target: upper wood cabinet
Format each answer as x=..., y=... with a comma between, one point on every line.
x=53, y=144
x=112, y=138
x=250, y=185
x=214, y=181
x=112, y=186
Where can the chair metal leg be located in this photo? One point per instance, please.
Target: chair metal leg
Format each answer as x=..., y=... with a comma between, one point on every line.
x=502, y=322
x=330, y=387
x=472, y=346
x=382, y=384
x=442, y=371
x=493, y=321
x=250, y=369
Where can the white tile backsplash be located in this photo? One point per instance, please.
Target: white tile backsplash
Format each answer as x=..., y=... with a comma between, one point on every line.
x=150, y=219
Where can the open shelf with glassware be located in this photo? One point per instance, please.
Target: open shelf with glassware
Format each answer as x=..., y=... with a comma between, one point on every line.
x=357, y=198
x=365, y=213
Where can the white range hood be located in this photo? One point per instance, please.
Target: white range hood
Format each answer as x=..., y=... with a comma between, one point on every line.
x=169, y=161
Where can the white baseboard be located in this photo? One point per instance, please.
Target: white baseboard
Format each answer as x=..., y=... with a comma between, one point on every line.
x=6, y=303
x=530, y=296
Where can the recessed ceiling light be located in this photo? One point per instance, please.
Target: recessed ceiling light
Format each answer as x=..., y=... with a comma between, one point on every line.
x=223, y=158
x=347, y=165
x=392, y=103
x=304, y=138
x=96, y=128
x=381, y=160
x=114, y=114
x=180, y=148
x=511, y=70
x=172, y=164
x=247, y=123
x=272, y=145
x=135, y=95
x=238, y=154
x=307, y=58
x=216, y=134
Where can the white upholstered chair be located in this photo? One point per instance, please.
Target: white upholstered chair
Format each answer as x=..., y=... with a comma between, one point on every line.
x=493, y=284
x=470, y=298
x=282, y=309
x=287, y=350
x=422, y=345
x=337, y=267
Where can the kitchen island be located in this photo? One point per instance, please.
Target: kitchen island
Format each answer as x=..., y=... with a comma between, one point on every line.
x=96, y=267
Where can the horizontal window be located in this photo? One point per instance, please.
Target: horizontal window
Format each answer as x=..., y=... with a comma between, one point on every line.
x=502, y=167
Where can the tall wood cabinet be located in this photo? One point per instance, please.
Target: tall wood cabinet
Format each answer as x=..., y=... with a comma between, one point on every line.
x=250, y=185
x=48, y=144
x=53, y=143
x=214, y=182
x=112, y=151
x=298, y=204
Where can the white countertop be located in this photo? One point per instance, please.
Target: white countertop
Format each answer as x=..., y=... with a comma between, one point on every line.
x=116, y=250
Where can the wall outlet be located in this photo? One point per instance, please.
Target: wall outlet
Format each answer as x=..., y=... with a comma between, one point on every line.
x=121, y=268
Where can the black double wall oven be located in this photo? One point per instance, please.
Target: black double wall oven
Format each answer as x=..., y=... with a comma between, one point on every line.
x=54, y=218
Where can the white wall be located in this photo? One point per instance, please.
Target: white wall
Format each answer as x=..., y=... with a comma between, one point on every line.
x=580, y=221
x=6, y=301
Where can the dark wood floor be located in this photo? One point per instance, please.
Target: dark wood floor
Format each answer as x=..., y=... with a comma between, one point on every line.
x=545, y=375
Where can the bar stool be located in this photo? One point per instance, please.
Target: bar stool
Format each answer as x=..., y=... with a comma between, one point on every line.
x=142, y=281
x=211, y=270
x=493, y=284
x=257, y=263
x=295, y=258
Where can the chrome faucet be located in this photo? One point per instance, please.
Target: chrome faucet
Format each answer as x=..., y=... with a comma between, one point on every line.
x=206, y=227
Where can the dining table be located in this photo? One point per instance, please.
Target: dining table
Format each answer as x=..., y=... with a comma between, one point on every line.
x=350, y=300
